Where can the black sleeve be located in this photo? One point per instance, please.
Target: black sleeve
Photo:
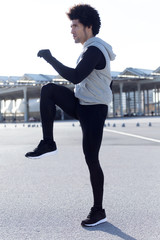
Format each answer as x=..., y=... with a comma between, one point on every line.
x=93, y=58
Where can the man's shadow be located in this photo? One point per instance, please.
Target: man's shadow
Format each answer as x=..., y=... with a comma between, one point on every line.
x=111, y=229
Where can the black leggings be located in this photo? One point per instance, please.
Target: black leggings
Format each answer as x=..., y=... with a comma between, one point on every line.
x=91, y=119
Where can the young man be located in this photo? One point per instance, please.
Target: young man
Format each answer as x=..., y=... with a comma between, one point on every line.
x=88, y=103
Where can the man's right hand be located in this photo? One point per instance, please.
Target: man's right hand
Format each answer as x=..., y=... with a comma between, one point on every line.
x=45, y=53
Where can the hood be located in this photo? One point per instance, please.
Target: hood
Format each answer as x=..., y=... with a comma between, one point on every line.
x=108, y=47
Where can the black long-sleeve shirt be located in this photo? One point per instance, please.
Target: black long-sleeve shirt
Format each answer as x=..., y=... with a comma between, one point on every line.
x=93, y=58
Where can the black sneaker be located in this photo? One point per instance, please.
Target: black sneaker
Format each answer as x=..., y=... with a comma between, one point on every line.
x=42, y=150
x=94, y=218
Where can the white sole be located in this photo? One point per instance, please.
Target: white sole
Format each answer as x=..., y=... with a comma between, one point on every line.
x=97, y=223
x=44, y=155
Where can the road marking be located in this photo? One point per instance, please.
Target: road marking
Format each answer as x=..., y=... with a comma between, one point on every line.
x=133, y=135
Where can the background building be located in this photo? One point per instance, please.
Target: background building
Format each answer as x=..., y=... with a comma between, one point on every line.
x=136, y=92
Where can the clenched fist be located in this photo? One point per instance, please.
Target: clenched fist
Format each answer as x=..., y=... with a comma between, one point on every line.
x=45, y=53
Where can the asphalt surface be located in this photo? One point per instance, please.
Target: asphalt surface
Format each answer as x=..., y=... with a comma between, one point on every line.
x=46, y=199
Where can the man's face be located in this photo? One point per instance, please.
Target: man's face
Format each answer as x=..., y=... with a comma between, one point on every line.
x=80, y=33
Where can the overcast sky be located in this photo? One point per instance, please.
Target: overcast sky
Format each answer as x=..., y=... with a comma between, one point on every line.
x=26, y=26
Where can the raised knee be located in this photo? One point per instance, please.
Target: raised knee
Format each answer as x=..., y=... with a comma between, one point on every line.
x=47, y=89
x=47, y=86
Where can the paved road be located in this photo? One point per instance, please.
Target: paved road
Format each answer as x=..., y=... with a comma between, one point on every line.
x=47, y=199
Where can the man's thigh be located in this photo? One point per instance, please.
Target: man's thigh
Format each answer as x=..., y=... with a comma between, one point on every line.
x=65, y=99
x=92, y=122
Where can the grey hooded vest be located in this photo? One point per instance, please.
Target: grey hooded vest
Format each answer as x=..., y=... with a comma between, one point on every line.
x=95, y=88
